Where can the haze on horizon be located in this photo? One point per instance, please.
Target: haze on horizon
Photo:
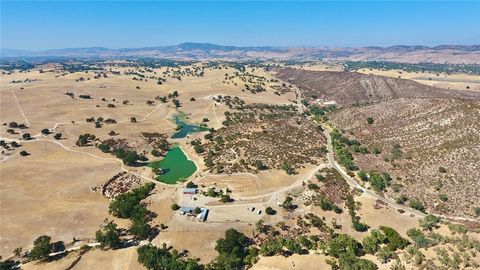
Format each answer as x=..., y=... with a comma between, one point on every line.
x=50, y=25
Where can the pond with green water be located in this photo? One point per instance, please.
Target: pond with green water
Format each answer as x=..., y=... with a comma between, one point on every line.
x=175, y=166
x=185, y=128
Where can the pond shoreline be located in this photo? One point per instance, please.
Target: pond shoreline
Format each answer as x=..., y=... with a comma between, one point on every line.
x=180, y=167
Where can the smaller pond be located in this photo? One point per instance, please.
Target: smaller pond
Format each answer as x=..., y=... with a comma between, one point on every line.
x=175, y=165
x=185, y=128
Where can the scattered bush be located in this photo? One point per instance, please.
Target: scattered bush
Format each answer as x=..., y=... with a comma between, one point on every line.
x=418, y=238
x=270, y=211
x=416, y=204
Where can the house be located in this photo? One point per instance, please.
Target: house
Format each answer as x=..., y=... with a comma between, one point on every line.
x=190, y=191
x=189, y=211
x=185, y=210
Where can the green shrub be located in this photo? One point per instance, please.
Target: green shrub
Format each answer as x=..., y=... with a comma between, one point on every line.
x=418, y=238
x=429, y=222
x=416, y=204
x=394, y=240
x=370, y=120
x=270, y=211
x=372, y=242
x=41, y=248
x=175, y=207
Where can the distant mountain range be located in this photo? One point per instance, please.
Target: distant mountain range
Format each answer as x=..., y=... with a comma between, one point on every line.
x=454, y=54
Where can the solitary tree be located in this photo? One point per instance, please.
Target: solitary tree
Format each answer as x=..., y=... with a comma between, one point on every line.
x=270, y=211
x=429, y=222
x=175, y=207
x=109, y=235
x=41, y=248
x=176, y=102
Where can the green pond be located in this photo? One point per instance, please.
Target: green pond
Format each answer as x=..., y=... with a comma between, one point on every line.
x=176, y=165
x=186, y=128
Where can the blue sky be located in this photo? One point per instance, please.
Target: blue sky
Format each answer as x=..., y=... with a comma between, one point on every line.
x=120, y=24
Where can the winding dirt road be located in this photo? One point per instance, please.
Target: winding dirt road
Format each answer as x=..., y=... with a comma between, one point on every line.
x=351, y=181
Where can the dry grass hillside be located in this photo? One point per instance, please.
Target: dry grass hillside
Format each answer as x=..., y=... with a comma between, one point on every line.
x=430, y=134
x=262, y=138
x=348, y=88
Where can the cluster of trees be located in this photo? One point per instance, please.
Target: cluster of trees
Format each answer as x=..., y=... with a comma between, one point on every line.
x=155, y=258
x=197, y=146
x=340, y=146
x=383, y=243
x=327, y=205
x=347, y=250
x=130, y=206
x=288, y=204
x=356, y=224
x=85, y=139
x=109, y=235
x=234, y=253
x=321, y=111
x=288, y=168
x=286, y=246
x=415, y=67
x=377, y=181
x=17, y=125
x=384, y=240
x=224, y=197
x=172, y=96
x=100, y=120
x=128, y=157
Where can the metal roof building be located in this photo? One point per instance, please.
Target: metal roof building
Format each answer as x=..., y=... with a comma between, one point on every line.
x=190, y=191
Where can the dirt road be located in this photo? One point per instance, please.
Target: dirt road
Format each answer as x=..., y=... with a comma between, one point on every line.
x=351, y=181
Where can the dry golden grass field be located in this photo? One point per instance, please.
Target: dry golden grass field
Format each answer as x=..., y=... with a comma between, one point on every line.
x=49, y=191
x=441, y=80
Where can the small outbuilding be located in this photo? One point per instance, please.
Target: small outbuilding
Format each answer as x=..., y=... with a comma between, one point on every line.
x=203, y=214
x=190, y=191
